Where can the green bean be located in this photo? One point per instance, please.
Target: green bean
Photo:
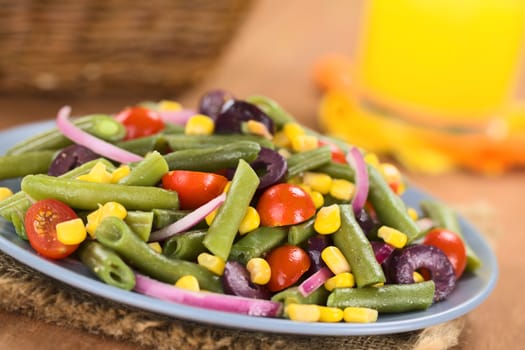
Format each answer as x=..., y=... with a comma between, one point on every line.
x=356, y=248
x=186, y=246
x=213, y=158
x=13, y=208
x=390, y=208
x=293, y=296
x=140, y=222
x=102, y=126
x=106, y=264
x=165, y=217
x=257, y=242
x=113, y=233
x=19, y=165
x=444, y=217
x=171, y=129
x=147, y=172
x=225, y=225
x=146, y=144
x=308, y=160
x=88, y=195
x=390, y=298
x=337, y=171
x=278, y=114
x=181, y=142
x=297, y=234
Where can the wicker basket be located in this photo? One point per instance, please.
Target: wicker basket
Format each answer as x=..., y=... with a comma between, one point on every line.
x=112, y=47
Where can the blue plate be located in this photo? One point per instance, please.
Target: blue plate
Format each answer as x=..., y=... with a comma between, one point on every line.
x=470, y=291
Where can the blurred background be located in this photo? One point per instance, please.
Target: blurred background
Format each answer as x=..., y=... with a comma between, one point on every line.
x=419, y=81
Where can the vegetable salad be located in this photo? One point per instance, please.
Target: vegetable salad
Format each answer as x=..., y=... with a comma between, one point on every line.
x=232, y=206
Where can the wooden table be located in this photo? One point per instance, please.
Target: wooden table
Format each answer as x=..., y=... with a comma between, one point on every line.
x=273, y=55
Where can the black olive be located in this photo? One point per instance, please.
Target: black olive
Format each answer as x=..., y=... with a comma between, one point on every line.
x=70, y=158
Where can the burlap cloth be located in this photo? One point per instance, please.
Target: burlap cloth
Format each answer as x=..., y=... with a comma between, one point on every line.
x=28, y=292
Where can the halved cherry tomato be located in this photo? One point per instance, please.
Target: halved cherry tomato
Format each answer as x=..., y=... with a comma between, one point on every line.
x=337, y=154
x=287, y=263
x=194, y=188
x=40, y=224
x=285, y=204
x=452, y=245
x=140, y=122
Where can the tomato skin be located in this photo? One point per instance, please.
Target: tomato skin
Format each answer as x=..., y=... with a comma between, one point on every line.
x=337, y=154
x=287, y=263
x=285, y=204
x=452, y=245
x=40, y=224
x=194, y=188
x=140, y=122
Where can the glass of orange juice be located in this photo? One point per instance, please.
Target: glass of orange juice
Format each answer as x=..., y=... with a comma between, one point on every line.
x=441, y=60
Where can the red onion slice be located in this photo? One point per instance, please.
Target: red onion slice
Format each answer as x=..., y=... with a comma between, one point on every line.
x=95, y=144
x=213, y=301
x=316, y=280
x=189, y=220
x=177, y=117
x=356, y=161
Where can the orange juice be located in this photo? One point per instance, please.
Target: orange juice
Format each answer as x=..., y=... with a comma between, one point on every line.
x=445, y=59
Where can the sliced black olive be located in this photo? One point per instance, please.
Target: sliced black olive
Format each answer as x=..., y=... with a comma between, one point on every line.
x=236, y=281
x=211, y=103
x=417, y=256
x=231, y=119
x=70, y=158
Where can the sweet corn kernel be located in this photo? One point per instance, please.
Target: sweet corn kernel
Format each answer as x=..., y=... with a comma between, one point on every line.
x=120, y=173
x=335, y=260
x=292, y=130
x=109, y=209
x=317, y=198
x=328, y=219
x=156, y=247
x=392, y=236
x=412, y=213
x=302, y=143
x=330, y=314
x=342, y=189
x=213, y=263
x=97, y=174
x=114, y=209
x=359, y=315
x=341, y=280
x=257, y=128
x=281, y=140
x=259, y=270
x=417, y=277
x=284, y=152
x=303, y=312
x=371, y=159
x=188, y=282
x=209, y=218
x=5, y=192
x=392, y=176
x=199, y=124
x=169, y=106
x=227, y=187
x=318, y=182
x=71, y=232
x=250, y=222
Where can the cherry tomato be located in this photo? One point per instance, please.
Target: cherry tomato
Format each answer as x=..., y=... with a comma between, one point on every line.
x=140, y=122
x=194, y=188
x=287, y=263
x=285, y=204
x=452, y=245
x=337, y=154
x=40, y=224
